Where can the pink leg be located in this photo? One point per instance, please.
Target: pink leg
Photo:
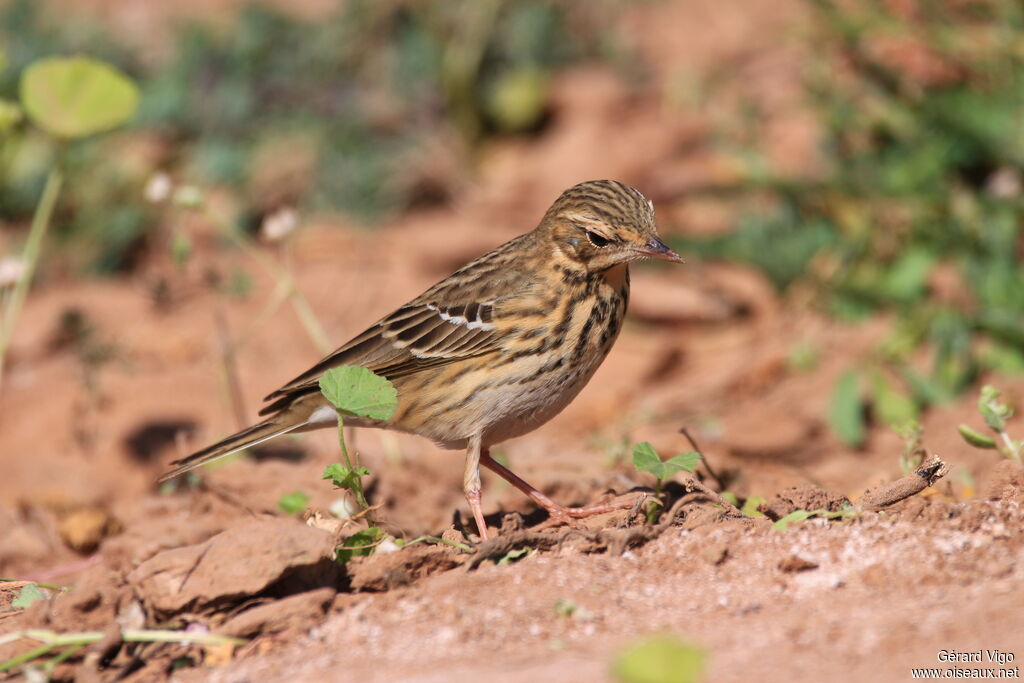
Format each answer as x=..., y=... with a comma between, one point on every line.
x=473, y=498
x=471, y=485
x=557, y=512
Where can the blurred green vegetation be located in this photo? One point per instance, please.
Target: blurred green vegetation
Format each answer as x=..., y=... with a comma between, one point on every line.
x=379, y=107
x=920, y=211
x=343, y=113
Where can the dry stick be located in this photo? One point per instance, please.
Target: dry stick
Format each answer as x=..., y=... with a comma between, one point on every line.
x=930, y=471
x=229, y=367
x=703, y=460
x=718, y=480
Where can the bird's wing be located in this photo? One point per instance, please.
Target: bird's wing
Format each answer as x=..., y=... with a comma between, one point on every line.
x=453, y=320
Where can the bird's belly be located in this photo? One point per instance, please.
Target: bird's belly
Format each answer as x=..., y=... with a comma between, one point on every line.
x=524, y=396
x=537, y=403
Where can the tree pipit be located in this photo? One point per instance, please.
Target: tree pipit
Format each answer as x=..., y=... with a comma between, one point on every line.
x=496, y=349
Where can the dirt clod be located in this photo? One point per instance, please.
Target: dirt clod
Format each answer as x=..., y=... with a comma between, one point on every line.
x=236, y=564
x=795, y=563
x=83, y=529
x=384, y=572
x=805, y=497
x=93, y=603
x=295, y=612
x=715, y=553
x=1004, y=481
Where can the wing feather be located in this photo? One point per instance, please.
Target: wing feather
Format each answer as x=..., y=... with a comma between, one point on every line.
x=451, y=321
x=414, y=338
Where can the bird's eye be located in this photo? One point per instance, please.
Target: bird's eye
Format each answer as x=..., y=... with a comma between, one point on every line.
x=597, y=240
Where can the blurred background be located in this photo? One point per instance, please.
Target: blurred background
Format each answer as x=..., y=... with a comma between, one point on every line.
x=844, y=178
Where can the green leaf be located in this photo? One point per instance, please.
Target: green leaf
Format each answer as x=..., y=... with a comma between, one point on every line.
x=72, y=97
x=29, y=595
x=293, y=503
x=794, y=517
x=660, y=659
x=684, y=461
x=344, y=477
x=358, y=391
x=845, y=416
x=907, y=277
x=750, y=506
x=995, y=413
x=890, y=405
x=976, y=439
x=359, y=544
x=646, y=459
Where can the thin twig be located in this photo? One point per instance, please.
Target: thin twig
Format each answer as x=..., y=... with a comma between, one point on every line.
x=437, y=539
x=365, y=512
x=703, y=459
x=930, y=471
x=229, y=367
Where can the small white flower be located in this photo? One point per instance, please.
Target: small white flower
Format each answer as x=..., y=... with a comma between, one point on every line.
x=387, y=546
x=342, y=508
x=279, y=224
x=159, y=187
x=11, y=270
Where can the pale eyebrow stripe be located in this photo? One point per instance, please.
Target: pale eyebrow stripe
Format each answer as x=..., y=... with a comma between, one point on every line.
x=583, y=218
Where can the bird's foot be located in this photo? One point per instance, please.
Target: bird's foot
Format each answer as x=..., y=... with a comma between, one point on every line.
x=473, y=498
x=563, y=514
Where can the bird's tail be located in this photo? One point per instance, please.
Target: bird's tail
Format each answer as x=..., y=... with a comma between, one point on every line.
x=275, y=426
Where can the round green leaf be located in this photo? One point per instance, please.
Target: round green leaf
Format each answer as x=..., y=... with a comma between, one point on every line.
x=358, y=391
x=72, y=97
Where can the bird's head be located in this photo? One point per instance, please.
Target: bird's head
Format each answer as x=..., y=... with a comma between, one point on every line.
x=603, y=223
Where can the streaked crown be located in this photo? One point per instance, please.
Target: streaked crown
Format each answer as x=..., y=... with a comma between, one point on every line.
x=602, y=223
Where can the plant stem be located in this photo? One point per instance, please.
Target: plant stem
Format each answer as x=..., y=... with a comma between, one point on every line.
x=40, y=223
x=47, y=586
x=281, y=275
x=66, y=654
x=52, y=639
x=1013, y=450
x=358, y=488
x=229, y=369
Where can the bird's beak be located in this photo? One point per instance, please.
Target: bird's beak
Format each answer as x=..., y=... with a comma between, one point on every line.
x=655, y=248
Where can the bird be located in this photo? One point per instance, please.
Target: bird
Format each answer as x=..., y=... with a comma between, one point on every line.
x=497, y=348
